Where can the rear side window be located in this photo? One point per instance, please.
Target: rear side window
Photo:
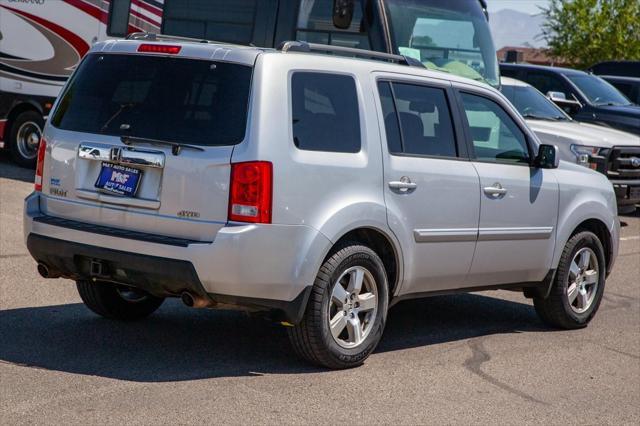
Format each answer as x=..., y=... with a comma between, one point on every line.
x=417, y=120
x=174, y=99
x=325, y=112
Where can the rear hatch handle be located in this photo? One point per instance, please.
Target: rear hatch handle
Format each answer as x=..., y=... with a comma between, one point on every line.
x=120, y=155
x=176, y=147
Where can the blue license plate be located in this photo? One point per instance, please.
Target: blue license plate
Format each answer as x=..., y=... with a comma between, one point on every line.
x=119, y=179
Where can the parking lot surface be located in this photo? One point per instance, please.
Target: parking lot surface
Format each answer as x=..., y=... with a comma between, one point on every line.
x=476, y=358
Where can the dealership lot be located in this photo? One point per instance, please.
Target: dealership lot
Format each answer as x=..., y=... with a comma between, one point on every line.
x=454, y=359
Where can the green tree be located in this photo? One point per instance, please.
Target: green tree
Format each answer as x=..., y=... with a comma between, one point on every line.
x=584, y=32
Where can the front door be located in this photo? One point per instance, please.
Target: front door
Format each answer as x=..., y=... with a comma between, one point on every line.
x=431, y=189
x=519, y=203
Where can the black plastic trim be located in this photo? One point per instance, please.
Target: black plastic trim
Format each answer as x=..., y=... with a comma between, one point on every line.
x=116, y=232
x=159, y=276
x=541, y=288
x=289, y=311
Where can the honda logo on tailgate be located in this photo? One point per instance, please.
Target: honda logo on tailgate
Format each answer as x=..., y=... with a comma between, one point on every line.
x=116, y=154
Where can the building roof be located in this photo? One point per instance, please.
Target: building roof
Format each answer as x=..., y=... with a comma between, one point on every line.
x=532, y=55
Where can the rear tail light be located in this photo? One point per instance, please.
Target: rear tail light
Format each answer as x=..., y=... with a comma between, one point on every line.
x=159, y=48
x=251, y=192
x=42, y=147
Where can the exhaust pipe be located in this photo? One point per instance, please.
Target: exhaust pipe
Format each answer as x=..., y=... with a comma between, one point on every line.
x=45, y=272
x=195, y=301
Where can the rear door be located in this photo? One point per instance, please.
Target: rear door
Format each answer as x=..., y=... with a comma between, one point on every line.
x=148, y=185
x=430, y=187
x=519, y=203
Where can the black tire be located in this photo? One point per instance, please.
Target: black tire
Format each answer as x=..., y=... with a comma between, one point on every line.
x=556, y=309
x=27, y=122
x=312, y=339
x=105, y=299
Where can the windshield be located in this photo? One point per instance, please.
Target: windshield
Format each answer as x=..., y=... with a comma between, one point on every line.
x=154, y=97
x=598, y=91
x=532, y=104
x=446, y=35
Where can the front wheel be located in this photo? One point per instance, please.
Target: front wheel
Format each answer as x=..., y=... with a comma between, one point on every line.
x=346, y=312
x=578, y=286
x=117, y=302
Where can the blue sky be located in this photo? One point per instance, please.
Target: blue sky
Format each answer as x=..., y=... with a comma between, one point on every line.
x=526, y=6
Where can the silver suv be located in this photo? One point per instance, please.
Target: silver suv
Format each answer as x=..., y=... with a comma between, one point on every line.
x=318, y=189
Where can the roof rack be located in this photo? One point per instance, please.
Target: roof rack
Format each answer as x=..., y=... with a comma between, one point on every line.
x=155, y=37
x=301, y=46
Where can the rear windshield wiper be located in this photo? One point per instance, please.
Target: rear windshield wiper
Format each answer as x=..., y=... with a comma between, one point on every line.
x=176, y=147
x=120, y=110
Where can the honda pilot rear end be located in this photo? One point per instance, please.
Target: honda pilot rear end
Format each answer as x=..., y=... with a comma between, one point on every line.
x=137, y=196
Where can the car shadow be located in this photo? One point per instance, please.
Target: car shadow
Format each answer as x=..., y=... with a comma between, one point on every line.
x=10, y=170
x=178, y=344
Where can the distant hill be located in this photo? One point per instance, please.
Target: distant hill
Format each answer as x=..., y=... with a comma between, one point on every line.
x=512, y=28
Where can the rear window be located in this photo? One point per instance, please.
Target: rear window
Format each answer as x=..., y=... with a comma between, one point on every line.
x=174, y=99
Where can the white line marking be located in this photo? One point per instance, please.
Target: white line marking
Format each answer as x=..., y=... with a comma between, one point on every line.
x=629, y=238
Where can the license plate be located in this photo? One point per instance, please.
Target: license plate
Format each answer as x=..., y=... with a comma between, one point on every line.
x=634, y=192
x=119, y=179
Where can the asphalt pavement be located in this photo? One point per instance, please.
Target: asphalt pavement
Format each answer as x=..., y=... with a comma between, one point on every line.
x=481, y=358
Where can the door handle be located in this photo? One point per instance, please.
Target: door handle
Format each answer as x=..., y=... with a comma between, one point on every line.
x=495, y=190
x=403, y=185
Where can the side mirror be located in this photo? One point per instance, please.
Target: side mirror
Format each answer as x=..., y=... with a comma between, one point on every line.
x=118, y=19
x=547, y=157
x=343, y=13
x=556, y=96
x=570, y=106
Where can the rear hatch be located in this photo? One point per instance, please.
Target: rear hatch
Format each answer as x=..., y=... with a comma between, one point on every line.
x=143, y=143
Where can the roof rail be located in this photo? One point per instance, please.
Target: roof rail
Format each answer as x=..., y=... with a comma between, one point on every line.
x=301, y=46
x=155, y=37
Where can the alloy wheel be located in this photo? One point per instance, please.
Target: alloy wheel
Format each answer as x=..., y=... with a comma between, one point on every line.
x=353, y=307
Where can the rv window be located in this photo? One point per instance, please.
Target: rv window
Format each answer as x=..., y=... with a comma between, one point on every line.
x=223, y=20
x=315, y=25
x=118, y=24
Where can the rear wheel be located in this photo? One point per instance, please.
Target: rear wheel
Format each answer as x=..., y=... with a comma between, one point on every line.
x=346, y=312
x=578, y=286
x=117, y=302
x=24, y=138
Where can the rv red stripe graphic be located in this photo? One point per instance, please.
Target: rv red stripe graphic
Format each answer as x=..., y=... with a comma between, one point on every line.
x=145, y=18
x=148, y=7
x=74, y=40
x=94, y=11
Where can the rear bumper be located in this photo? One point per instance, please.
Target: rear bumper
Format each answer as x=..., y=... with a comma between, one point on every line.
x=257, y=267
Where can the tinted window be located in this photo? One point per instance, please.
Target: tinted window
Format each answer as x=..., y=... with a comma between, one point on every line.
x=224, y=20
x=315, y=25
x=174, y=99
x=532, y=104
x=496, y=137
x=546, y=83
x=417, y=120
x=325, y=112
x=598, y=91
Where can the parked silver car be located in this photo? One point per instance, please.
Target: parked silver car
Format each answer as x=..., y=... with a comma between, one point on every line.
x=611, y=152
x=318, y=188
